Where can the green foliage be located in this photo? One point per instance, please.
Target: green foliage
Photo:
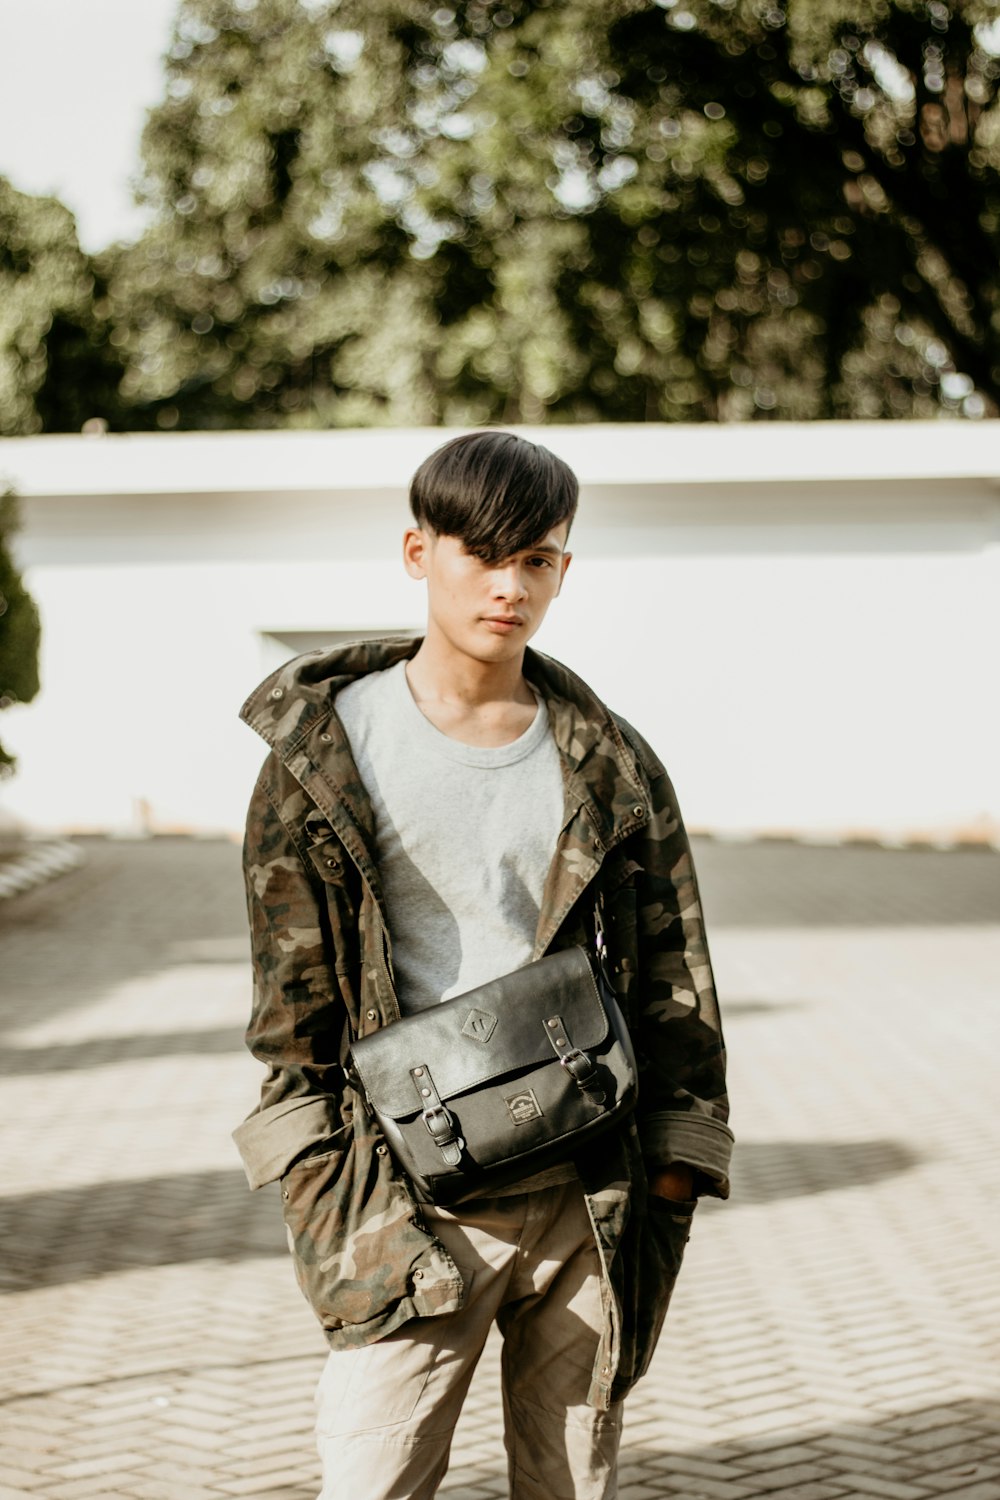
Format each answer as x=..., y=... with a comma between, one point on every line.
x=406, y=211
x=56, y=369
x=396, y=211
x=20, y=630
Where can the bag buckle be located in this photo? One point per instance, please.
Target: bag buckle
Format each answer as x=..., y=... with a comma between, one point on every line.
x=578, y=1064
x=437, y=1118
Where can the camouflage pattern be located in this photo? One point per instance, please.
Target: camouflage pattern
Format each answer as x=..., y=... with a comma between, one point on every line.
x=322, y=966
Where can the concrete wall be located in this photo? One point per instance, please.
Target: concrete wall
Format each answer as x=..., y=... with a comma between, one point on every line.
x=802, y=619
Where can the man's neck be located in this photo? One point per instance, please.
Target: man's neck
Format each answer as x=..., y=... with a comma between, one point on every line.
x=480, y=703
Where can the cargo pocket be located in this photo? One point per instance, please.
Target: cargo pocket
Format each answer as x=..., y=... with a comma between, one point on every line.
x=379, y=1386
x=665, y=1231
x=360, y=1257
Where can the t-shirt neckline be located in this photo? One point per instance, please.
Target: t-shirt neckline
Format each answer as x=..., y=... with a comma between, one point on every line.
x=437, y=742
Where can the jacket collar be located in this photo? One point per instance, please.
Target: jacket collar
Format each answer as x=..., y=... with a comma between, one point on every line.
x=293, y=711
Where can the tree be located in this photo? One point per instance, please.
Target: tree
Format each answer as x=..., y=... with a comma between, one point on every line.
x=20, y=630
x=56, y=367
x=840, y=160
x=400, y=211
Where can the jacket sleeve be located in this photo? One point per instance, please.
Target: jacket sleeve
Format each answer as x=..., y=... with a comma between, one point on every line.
x=298, y=1015
x=683, y=1109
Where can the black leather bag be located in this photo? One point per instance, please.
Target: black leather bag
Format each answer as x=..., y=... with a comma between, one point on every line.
x=493, y=1085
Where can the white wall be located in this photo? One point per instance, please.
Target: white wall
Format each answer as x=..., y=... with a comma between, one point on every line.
x=809, y=652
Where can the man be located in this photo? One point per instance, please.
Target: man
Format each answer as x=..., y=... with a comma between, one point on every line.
x=434, y=813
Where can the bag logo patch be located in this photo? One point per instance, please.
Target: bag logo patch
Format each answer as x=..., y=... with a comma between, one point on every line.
x=523, y=1107
x=480, y=1024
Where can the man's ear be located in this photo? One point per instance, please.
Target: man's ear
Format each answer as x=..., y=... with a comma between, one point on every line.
x=567, y=558
x=416, y=545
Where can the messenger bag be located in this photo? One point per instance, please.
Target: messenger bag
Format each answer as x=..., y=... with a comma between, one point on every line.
x=513, y=1076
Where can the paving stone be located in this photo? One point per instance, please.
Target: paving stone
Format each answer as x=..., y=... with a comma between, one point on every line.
x=84, y=1489
x=187, y=1439
x=977, y=1448
x=155, y=1488
x=252, y=1485
x=874, y=1484
x=960, y=1477
x=697, y=1467
x=783, y=1476
x=763, y=1457
x=700, y=1488
x=815, y=1491
x=27, y=1479
x=108, y=1463
x=940, y=1440
x=988, y=1489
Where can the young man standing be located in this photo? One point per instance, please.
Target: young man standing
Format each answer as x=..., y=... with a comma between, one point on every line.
x=434, y=813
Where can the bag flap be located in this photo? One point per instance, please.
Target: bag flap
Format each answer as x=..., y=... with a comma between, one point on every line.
x=494, y=1029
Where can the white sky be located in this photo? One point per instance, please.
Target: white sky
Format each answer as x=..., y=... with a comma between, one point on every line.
x=76, y=79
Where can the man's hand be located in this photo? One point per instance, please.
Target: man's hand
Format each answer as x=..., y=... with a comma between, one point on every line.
x=675, y=1181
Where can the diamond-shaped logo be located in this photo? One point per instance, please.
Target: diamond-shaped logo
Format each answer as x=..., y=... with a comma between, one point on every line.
x=480, y=1025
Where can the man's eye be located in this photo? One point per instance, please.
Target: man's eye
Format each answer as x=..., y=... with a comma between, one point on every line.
x=539, y=562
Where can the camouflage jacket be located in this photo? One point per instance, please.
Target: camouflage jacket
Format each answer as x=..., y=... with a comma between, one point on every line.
x=322, y=959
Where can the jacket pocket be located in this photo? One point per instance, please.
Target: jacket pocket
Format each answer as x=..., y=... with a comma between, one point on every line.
x=666, y=1230
x=652, y=1253
x=361, y=1258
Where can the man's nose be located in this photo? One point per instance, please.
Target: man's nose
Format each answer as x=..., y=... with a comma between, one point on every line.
x=509, y=583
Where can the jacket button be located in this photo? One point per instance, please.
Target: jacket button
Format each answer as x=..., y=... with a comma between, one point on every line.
x=638, y=810
x=381, y=1150
x=370, y=1015
x=606, y=1370
x=597, y=843
x=326, y=738
x=418, y=1275
x=277, y=693
x=333, y=864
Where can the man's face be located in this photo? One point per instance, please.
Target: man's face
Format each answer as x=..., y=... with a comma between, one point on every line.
x=488, y=611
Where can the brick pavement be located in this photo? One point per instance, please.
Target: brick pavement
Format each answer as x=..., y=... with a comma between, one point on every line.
x=836, y=1331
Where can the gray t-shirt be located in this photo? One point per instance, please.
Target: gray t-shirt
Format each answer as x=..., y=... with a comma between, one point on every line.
x=465, y=836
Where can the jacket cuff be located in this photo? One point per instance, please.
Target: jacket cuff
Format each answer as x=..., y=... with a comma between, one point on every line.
x=270, y=1139
x=699, y=1140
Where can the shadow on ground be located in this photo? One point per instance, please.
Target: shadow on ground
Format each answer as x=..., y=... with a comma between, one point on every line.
x=131, y=909
x=764, y=1171
x=75, y=1233
x=76, y=1057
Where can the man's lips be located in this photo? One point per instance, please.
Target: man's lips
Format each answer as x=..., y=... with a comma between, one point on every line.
x=503, y=624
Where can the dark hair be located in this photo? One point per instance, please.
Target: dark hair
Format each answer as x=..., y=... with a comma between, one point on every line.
x=497, y=492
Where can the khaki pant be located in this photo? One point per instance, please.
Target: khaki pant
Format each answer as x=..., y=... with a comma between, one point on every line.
x=386, y=1413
